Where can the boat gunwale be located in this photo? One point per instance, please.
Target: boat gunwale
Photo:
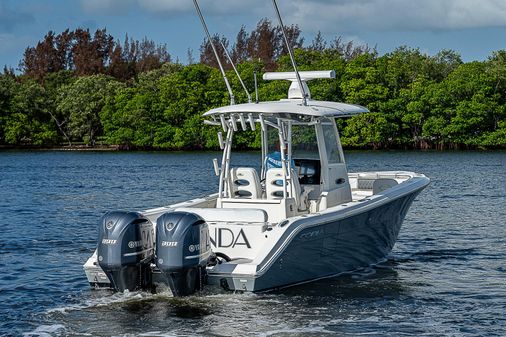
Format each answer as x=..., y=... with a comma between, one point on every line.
x=301, y=222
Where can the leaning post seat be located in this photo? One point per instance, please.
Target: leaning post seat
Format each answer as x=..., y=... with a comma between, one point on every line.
x=239, y=215
x=274, y=186
x=244, y=183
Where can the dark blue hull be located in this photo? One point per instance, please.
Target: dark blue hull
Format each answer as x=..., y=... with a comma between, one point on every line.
x=338, y=246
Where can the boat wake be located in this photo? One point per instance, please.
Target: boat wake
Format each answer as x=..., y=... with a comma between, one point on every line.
x=106, y=298
x=46, y=331
x=102, y=300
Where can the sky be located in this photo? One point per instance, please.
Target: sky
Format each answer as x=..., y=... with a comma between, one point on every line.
x=472, y=28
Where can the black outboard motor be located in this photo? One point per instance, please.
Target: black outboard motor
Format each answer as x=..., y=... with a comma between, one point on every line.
x=183, y=248
x=126, y=249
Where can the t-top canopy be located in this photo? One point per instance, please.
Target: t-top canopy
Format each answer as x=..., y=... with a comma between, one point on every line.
x=292, y=108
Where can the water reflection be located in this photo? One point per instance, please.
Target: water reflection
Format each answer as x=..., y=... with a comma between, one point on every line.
x=376, y=282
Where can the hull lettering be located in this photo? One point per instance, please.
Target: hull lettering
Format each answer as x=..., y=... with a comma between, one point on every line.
x=226, y=238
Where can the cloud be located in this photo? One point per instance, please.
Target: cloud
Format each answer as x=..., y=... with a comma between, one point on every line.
x=10, y=18
x=167, y=8
x=395, y=15
x=336, y=15
x=108, y=7
x=213, y=7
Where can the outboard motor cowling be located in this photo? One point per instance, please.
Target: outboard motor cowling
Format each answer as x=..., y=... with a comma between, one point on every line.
x=126, y=249
x=183, y=248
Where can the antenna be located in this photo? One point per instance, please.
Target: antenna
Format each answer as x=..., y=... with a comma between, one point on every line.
x=256, y=86
x=236, y=72
x=295, y=91
x=290, y=52
x=230, y=92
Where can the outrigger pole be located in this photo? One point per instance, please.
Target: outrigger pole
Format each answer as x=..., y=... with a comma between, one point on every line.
x=236, y=72
x=290, y=52
x=230, y=92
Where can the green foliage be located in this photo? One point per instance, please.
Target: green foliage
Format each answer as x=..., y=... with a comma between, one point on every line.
x=8, y=86
x=370, y=129
x=416, y=101
x=27, y=121
x=82, y=101
x=361, y=83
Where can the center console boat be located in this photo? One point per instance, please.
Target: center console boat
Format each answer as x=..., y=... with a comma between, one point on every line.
x=295, y=216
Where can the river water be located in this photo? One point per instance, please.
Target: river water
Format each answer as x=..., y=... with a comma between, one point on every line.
x=445, y=277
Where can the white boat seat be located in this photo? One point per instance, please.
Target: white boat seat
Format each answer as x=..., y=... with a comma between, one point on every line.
x=228, y=214
x=365, y=184
x=382, y=184
x=244, y=183
x=274, y=187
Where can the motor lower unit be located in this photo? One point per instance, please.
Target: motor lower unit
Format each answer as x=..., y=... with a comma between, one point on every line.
x=183, y=248
x=128, y=252
x=126, y=249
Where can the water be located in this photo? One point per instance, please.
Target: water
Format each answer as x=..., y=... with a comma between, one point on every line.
x=445, y=277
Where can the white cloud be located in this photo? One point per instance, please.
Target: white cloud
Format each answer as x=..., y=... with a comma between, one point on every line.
x=394, y=15
x=331, y=16
x=340, y=15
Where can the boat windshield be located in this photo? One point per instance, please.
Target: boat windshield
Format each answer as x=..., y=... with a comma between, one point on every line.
x=304, y=143
x=334, y=156
x=272, y=140
x=302, y=151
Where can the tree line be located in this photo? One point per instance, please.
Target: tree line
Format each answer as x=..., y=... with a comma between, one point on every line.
x=82, y=88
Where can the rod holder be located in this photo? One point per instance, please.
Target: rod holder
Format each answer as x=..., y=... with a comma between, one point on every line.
x=223, y=123
x=243, y=122
x=251, y=121
x=262, y=122
x=220, y=140
x=233, y=121
x=216, y=167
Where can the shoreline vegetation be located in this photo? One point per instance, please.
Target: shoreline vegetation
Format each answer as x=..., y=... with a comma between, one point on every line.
x=78, y=90
x=119, y=148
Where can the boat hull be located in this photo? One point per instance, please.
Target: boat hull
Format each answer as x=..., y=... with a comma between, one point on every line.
x=330, y=248
x=309, y=247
